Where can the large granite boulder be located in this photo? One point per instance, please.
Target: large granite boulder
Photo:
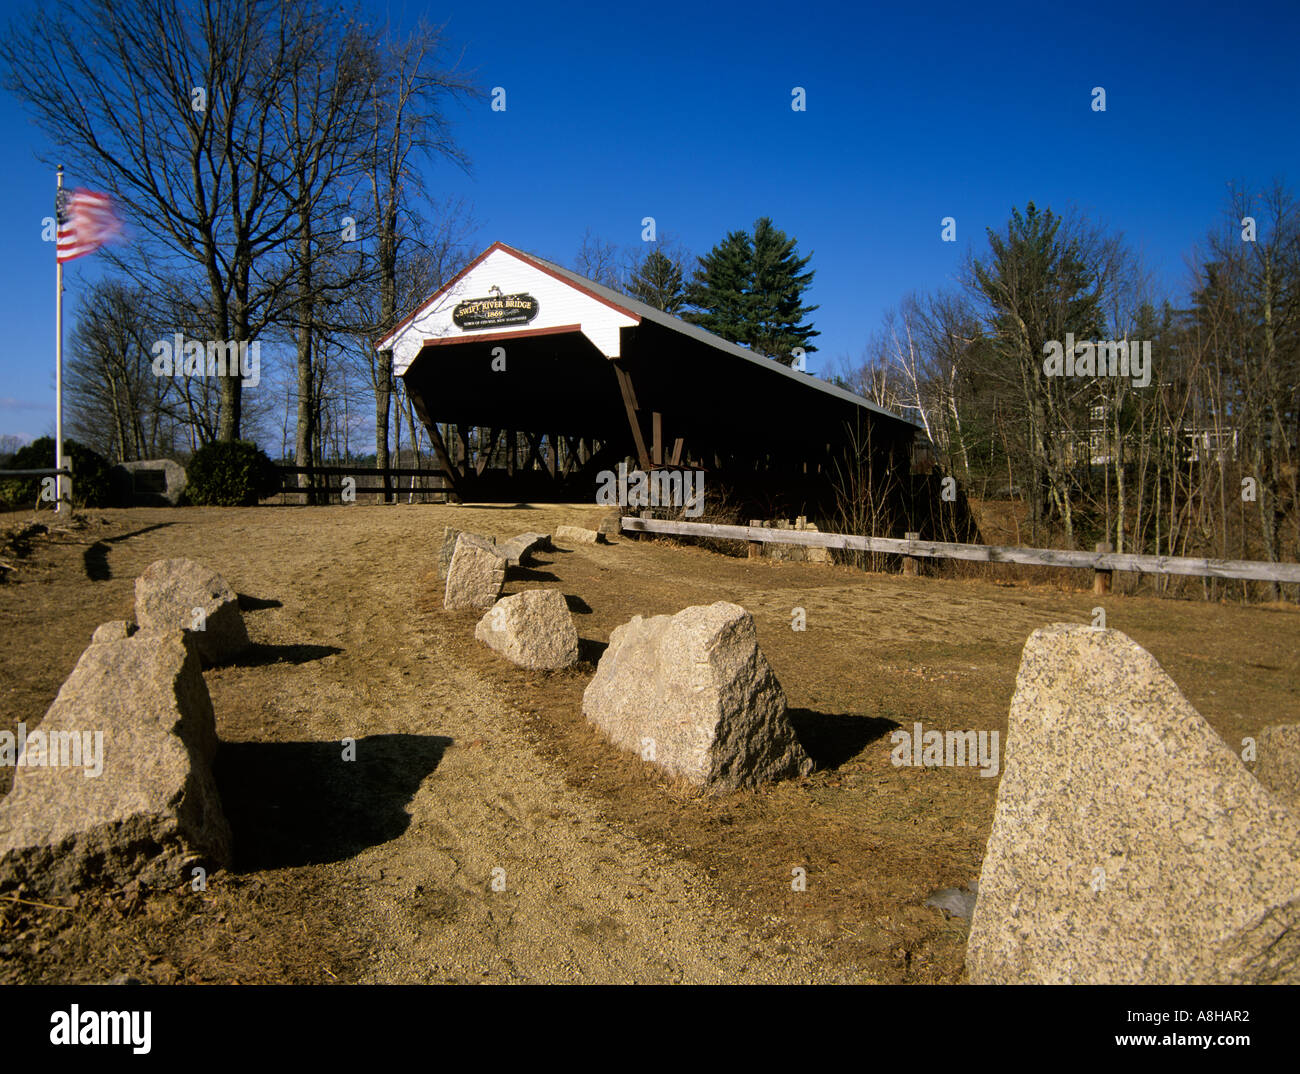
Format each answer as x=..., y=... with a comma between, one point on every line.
x=148, y=483
x=1277, y=764
x=694, y=693
x=476, y=575
x=448, y=549
x=172, y=593
x=1129, y=843
x=138, y=711
x=519, y=550
x=534, y=629
x=576, y=535
x=114, y=630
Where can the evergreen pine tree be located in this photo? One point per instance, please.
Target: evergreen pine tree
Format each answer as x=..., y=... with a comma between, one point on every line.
x=777, y=311
x=720, y=289
x=657, y=280
x=749, y=289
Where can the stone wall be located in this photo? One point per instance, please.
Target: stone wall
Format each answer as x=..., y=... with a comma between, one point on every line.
x=793, y=553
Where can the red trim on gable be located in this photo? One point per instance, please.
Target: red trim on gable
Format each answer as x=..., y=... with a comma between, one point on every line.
x=576, y=286
x=439, y=293
x=519, y=255
x=563, y=329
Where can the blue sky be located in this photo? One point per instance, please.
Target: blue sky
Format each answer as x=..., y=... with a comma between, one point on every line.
x=914, y=112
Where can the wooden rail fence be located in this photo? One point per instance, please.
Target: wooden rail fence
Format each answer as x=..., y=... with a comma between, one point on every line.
x=330, y=483
x=1103, y=562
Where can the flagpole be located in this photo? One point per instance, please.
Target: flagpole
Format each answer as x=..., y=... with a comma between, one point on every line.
x=58, y=365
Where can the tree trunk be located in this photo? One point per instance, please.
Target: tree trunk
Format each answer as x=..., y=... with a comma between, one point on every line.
x=307, y=408
x=383, y=400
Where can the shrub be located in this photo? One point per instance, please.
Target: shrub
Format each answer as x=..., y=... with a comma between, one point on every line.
x=230, y=474
x=91, y=486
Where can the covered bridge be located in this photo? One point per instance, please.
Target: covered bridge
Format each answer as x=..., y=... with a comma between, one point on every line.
x=531, y=380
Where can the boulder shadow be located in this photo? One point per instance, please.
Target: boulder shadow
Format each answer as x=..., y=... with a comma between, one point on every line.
x=831, y=739
x=256, y=604
x=529, y=574
x=95, y=561
x=590, y=650
x=577, y=605
x=301, y=803
x=258, y=655
x=95, y=558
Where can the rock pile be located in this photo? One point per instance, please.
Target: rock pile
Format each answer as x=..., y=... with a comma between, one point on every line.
x=611, y=525
x=793, y=553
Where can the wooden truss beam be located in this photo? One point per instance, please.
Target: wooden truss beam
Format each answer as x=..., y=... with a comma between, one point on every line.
x=444, y=460
x=632, y=410
x=485, y=453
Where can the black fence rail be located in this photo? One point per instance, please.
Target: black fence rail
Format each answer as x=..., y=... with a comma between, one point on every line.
x=343, y=484
x=51, y=472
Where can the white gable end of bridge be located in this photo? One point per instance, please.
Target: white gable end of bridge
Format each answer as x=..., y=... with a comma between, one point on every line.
x=559, y=304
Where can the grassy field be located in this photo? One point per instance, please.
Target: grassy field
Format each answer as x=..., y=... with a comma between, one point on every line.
x=382, y=870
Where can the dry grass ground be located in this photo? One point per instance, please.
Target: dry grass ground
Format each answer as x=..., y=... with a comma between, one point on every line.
x=382, y=869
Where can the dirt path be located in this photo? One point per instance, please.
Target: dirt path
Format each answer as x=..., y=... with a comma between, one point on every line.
x=469, y=770
x=582, y=901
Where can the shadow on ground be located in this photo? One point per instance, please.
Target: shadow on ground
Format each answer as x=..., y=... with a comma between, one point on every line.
x=832, y=739
x=258, y=655
x=301, y=803
x=529, y=574
x=95, y=558
x=253, y=604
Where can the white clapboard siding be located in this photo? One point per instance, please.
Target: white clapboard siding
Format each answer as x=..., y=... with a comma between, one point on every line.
x=560, y=304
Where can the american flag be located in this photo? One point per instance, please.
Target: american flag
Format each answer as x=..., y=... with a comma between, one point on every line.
x=86, y=221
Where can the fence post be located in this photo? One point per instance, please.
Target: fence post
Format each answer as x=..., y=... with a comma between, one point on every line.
x=1101, y=578
x=755, y=547
x=911, y=564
